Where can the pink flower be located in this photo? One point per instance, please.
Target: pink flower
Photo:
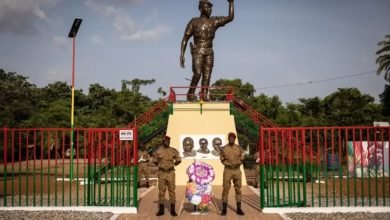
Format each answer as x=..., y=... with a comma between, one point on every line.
x=201, y=173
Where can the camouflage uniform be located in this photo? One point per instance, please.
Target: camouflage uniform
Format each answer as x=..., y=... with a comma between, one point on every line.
x=232, y=157
x=143, y=166
x=166, y=158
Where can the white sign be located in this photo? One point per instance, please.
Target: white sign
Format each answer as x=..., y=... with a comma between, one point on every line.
x=126, y=135
x=381, y=123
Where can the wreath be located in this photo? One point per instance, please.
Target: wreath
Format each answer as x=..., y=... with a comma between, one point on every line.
x=198, y=190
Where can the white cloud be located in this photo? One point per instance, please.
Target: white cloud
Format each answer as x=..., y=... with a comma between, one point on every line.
x=127, y=28
x=146, y=35
x=96, y=39
x=59, y=41
x=54, y=75
x=23, y=17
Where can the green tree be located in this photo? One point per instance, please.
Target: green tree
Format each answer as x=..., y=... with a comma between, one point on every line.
x=270, y=107
x=131, y=103
x=312, y=112
x=385, y=100
x=54, y=115
x=242, y=91
x=348, y=106
x=289, y=116
x=383, y=59
x=18, y=99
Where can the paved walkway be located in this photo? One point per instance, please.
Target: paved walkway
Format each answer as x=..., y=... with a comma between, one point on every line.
x=250, y=204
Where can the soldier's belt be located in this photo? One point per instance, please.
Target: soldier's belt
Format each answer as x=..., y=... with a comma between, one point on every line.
x=166, y=169
x=202, y=50
x=232, y=167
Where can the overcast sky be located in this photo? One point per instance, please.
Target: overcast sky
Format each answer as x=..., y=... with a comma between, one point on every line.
x=269, y=43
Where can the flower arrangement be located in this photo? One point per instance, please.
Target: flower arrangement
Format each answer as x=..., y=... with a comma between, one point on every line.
x=201, y=173
x=198, y=190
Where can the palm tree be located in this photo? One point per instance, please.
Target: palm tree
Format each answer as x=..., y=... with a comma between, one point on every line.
x=383, y=59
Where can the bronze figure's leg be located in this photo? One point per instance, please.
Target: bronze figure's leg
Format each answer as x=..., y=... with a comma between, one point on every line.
x=208, y=68
x=197, y=62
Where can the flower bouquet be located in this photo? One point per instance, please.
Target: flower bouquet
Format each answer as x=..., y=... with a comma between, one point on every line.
x=201, y=173
x=198, y=190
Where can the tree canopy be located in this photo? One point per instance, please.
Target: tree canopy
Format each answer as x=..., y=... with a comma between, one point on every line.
x=23, y=104
x=383, y=59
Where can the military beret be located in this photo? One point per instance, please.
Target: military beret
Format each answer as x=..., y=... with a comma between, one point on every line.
x=205, y=2
x=166, y=137
x=231, y=134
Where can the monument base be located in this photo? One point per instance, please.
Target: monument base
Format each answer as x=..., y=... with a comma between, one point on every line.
x=201, y=120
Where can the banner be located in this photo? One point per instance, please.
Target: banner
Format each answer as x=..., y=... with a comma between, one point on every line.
x=368, y=158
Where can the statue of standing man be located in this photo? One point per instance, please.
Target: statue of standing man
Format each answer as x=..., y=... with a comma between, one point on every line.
x=203, y=30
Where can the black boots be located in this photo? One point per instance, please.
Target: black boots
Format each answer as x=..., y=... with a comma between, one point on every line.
x=173, y=212
x=224, y=207
x=239, y=210
x=160, y=210
x=147, y=184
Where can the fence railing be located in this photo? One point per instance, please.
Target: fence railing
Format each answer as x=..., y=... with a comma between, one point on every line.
x=40, y=167
x=325, y=166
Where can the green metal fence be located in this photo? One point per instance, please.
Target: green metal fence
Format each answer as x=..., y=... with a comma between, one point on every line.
x=41, y=167
x=326, y=166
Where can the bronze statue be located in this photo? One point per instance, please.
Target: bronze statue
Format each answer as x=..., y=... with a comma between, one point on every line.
x=188, y=147
x=203, y=30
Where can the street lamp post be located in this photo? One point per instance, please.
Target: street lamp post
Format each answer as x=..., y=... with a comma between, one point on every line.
x=72, y=34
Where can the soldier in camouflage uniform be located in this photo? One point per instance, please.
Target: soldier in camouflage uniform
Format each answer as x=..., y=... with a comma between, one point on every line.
x=143, y=159
x=166, y=158
x=231, y=157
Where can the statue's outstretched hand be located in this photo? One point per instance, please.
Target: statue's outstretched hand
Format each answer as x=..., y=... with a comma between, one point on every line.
x=182, y=61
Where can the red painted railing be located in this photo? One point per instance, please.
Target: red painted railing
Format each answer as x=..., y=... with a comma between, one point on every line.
x=150, y=114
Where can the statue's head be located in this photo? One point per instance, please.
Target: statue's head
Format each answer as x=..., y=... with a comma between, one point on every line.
x=205, y=7
x=203, y=144
x=188, y=144
x=217, y=144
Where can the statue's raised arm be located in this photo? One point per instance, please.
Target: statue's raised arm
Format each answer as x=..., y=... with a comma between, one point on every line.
x=231, y=11
x=202, y=29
